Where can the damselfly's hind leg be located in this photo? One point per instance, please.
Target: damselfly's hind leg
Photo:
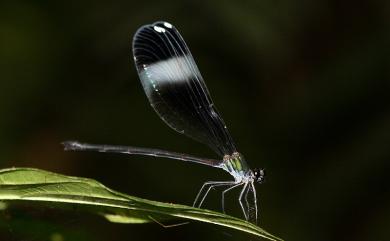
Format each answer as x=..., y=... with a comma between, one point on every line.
x=225, y=191
x=209, y=185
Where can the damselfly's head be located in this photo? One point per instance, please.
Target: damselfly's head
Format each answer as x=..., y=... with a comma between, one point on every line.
x=258, y=175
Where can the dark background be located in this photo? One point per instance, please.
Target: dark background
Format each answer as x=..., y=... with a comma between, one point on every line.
x=302, y=85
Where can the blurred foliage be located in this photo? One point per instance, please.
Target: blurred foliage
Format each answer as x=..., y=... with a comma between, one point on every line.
x=302, y=85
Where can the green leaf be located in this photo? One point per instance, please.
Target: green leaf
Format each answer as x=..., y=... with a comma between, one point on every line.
x=47, y=188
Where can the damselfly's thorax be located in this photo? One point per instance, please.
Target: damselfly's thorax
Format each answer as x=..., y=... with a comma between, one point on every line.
x=236, y=165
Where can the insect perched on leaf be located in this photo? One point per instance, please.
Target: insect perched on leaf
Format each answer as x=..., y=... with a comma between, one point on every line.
x=177, y=92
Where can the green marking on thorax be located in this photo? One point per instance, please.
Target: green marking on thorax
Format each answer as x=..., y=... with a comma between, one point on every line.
x=235, y=163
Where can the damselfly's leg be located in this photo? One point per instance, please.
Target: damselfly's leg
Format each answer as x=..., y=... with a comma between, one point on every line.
x=223, y=195
x=249, y=208
x=240, y=200
x=210, y=187
x=246, y=196
x=254, y=200
x=211, y=184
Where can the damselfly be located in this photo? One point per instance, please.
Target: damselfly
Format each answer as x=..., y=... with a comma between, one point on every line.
x=177, y=92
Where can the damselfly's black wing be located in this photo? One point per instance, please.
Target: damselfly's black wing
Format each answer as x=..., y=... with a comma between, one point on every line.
x=175, y=87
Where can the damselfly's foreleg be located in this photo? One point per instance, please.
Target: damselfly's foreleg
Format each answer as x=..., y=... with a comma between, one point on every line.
x=255, y=201
x=246, y=196
x=251, y=206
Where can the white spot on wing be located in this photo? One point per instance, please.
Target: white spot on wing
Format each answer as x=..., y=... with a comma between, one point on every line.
x=177, y=69
x=159, y=29
x=168, y=25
